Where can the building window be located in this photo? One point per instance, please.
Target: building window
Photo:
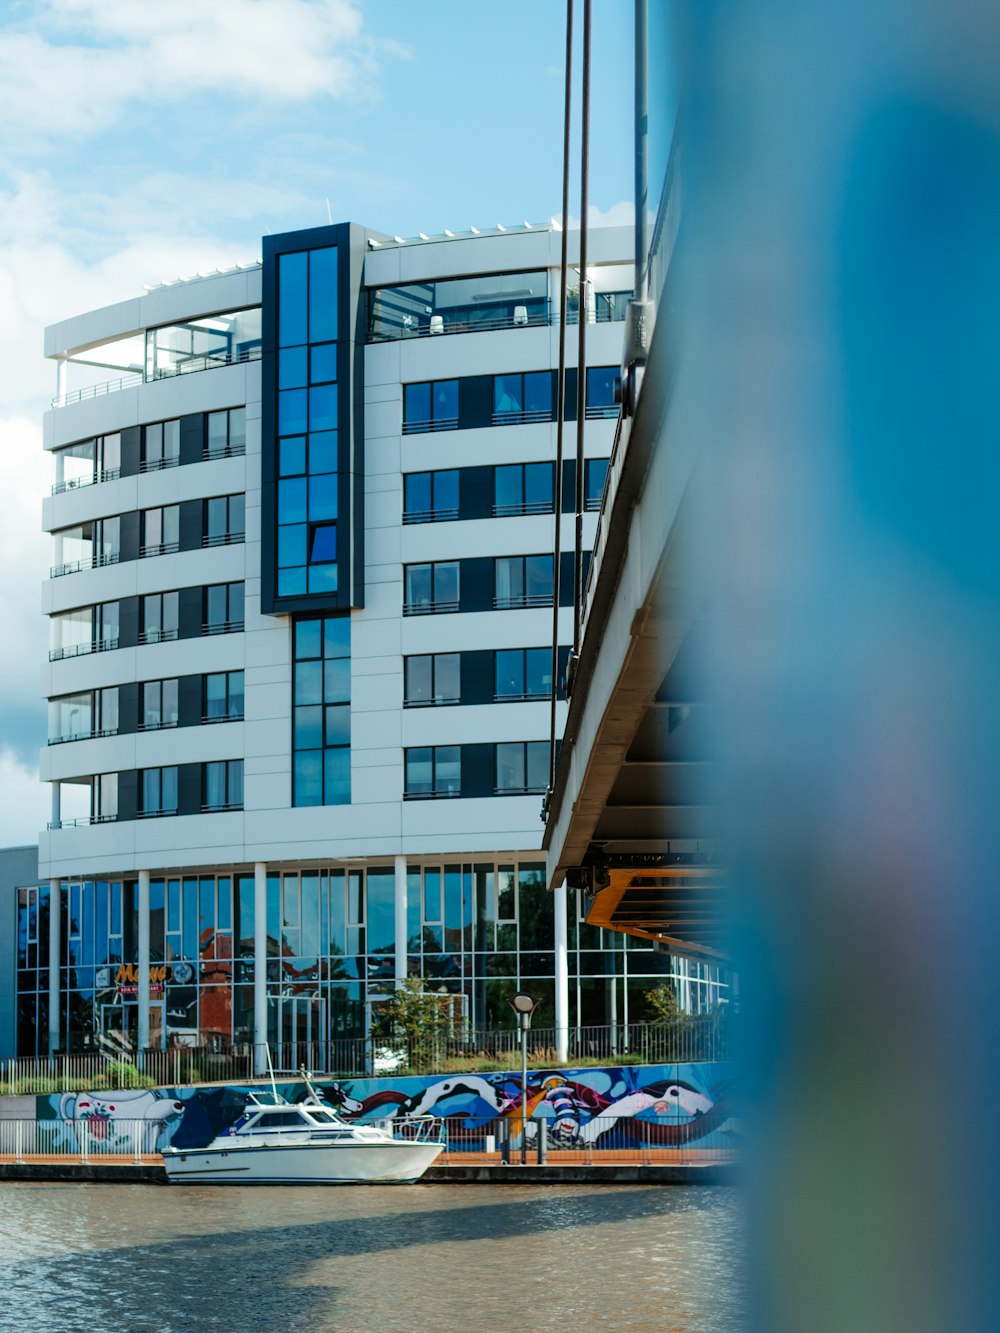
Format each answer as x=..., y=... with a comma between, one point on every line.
x=157, y=792
x=222, y=610
x=87, y=462
x=321, y=726
x=522, y=581
x=522, y=673
x=159, y=705
x=430, y=497
x=523, y=488
x=601, y=385
x=223, y=697
x=161, y=531
x=307, y=420
x=458, y=305
x=88, y=545
x=522, y=398
x=595, y=473
x=159, y=617
x=430, y=589
x=432, y=678
x=225, y=520
x=104, y=798
x=522, y=767
x=222, y=785
x=430, y=406
x=161, y=446
x=224, y=339
x=88, y=629
x=433, y=770
x=77, y=717
x=226, y=433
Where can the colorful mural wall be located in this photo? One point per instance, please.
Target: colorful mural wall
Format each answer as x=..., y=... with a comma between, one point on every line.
x=682, y=1105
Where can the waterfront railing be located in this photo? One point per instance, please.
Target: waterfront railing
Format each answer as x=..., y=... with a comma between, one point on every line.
x=435, y=1048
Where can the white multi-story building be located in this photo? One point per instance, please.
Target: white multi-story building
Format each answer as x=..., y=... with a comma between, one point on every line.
x=301, y=646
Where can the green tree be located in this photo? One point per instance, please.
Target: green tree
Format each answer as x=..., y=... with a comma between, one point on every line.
x=661, y=1004
x=412, y=1020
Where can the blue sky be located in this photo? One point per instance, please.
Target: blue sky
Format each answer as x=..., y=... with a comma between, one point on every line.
x=141, y=141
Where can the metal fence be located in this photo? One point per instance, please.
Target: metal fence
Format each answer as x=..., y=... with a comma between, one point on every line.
x=441, y=1050
x=79, y=1140
x=602, y=1140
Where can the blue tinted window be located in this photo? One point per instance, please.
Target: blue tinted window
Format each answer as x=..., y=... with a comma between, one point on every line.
x=597, y=471
x=445, y=399
x=510, y=672
x=324, y=363
x=446, y=490
x=323, y=407
x=291, y=411
x=417, y=488
x=338, y=724
x=291, y=545
x=291, y=582
x=337, y=636
x=292, y=500
x=323, y=578
x=323, y=548
x=323, y=451
x=309, y=682
x=292, y=368
x=416, y=402
x=538, y=484
x=323, y=496
x=323, y=295
x=291, y=299
x=337, y=681
x=308, y=728
x=538, y=392
x=337, y=764
x=292, y=456
x=538, y=670
x=309, y=777
x=601, y=386
x=507, y=487
x=308, y=639
x=507, y=393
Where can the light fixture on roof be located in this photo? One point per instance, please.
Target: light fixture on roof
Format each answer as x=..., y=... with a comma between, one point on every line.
x=475, y=231
x=501, y=227
x=448, y=233
x=526, y=224
x=373, y=244
x=423, y=236
x=555, y=224
x=399, y=240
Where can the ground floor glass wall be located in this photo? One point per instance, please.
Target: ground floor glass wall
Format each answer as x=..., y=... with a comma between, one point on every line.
x=476, y=931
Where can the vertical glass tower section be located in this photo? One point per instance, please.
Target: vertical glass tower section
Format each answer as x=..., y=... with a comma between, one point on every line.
x=311, y=489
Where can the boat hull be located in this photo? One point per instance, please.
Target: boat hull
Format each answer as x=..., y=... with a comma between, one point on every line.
x=395, y=1162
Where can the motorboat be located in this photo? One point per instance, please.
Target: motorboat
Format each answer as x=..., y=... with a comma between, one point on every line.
x=277, y=1142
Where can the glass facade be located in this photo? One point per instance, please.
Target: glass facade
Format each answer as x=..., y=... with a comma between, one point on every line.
x=458, y=305
x=321, y=723
x=199, y=344
x=307, y=423
x=476, y=930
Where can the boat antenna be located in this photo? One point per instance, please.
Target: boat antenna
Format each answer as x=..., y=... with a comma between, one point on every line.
x=306, y=1079
x=270, y=1070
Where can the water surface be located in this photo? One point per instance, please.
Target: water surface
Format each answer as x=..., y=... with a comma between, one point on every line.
x=441, y=1258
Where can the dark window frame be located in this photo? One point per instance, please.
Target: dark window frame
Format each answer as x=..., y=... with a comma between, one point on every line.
x=230, y=769
x=528, y=789
x=436, y=421
x=435, y=792
x=434, y=606
x=436, y=513
x=435, y=701
x=231, y=624
x=523, y=600
x=228, y=715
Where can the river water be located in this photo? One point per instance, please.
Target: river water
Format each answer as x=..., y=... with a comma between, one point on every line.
x=440, y=1258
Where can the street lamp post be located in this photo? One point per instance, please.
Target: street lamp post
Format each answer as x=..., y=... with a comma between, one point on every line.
x=523, y=1005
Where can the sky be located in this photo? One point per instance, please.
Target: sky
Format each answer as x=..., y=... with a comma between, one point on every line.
x=144, y=141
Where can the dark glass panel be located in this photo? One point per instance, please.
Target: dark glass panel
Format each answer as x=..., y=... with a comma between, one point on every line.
x=291, y=582
x=538, y=484
x=309, y=682
x=309, y=777
x=323, y=294
x=323, y=407
x=309, y=728
x=417, y=492
x=446, y=489
x=419, y=770
x=292, y=545
x=292, y=299
x=338, y=724
x=292, y=368
x=323, y=451
x=292, y=406
x=337, y=768
x=446, y=582
x=337, y=636
x=447, y=677
x=323, y=497
x=308, y=639
x=324, y=363
x=292, y=461
x=419, y=680
x=538, y=671
x=448, y=769
x=445, y=399
x=508, y=393
x=416, y=402
x=292, y=501
x=510, y=672
x=538, y=575
x=508, y=490
x=323, y=578
x=538, y=392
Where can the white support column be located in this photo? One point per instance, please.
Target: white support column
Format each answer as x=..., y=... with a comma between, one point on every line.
x=400, y=923
x=56, y=804
x=55, y=958
x=62, y=377
x=260, y=969
x=562, y=975
x=142, y=1041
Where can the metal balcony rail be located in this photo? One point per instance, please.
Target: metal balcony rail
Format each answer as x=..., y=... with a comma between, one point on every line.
x=522, y=507
x=424, y=427
x=74, y=483
x=438, y=794
x=221, y=808
x=223, y=627
x=524, y=696
x=208, y=718
x=223, y=539
x=157, y=814
x=519, y=791
x=88, y=562
x=525, y=417
x=430, y=516
x=158, y=464
x=223, y=451
x=437, y=701
x=686, y=1040
x=161, y=725
x=602, y=411
x=210, y=361
x=81, y=821
x=82, y=736
x=80, y=649
x=520, y=601
x=158, y=635
x=441, y=325
x=429, y=608
x=159, y=548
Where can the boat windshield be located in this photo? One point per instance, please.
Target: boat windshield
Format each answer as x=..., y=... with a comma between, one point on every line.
x=326, y=1117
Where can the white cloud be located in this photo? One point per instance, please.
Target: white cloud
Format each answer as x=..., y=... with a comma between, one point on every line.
x=26, y=804
x=73, y=67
